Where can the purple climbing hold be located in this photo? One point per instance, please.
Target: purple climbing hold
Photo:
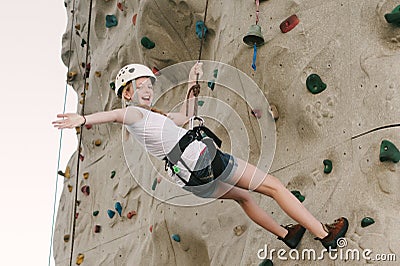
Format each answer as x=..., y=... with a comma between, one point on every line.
x=85, y=190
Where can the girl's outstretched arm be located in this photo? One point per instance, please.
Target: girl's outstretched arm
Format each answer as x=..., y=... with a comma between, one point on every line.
x=72, y=120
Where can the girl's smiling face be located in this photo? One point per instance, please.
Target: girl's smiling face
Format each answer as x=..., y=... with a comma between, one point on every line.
x=144, y=91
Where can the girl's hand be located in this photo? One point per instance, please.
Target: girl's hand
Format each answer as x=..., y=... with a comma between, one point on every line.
x=196, y=70
x=70, y=120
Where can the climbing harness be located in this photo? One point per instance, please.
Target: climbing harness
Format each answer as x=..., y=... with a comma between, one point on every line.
x=199, y=133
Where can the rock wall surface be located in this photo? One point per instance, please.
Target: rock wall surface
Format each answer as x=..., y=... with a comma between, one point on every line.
x=349, y=44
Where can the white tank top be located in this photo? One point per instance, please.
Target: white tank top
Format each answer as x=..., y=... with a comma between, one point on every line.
x=158, y=134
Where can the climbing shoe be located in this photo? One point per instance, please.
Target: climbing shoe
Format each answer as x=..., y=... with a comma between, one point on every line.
x=294, y=235
x=335, y=231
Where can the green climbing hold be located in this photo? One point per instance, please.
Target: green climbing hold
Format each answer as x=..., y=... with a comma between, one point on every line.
x=298, y=195
x=200, y=102
x=315, y=84
x=176, y=237
x=394, y=16
x=111, y=21
x=112, y=85
x=389, y=152
x=153, y=187
x=327, y=166
x=95, y=213
x=215, y=73
x=176, y=169
x=147, y=43
x=266, y=262
x=367, y=221
x=112, y=174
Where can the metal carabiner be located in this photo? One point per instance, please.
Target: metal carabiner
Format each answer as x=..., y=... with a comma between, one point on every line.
x=191, y=121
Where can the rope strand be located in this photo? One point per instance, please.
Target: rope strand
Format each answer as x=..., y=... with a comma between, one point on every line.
x=61, y=137
x=196, y=88
x=81, y=134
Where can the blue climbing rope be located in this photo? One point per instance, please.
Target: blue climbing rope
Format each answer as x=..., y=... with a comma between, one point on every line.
x=60, y=140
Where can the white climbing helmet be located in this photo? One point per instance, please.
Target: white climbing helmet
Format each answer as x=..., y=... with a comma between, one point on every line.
x=131, y=72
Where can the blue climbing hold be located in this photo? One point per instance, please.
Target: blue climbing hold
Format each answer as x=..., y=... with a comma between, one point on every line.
x=176, y=237
x=110, y=213
x=118, y=208
x=111, y=21
x=201, y=29
x=211, y=84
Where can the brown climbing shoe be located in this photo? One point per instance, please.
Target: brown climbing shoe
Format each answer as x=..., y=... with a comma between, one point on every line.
x=335, y=231
x=294, y=235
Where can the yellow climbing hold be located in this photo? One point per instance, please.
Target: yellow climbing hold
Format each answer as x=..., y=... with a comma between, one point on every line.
x=70, y=188
x=97, y=74
x=71, y=76
x=66, y=238
x=78, y=26
x=86, y=175
x=239, y=230
x=67, y=173
x=97, y=142
x=80, y=259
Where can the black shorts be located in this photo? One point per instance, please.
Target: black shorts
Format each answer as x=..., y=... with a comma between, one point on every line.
x=209, y=172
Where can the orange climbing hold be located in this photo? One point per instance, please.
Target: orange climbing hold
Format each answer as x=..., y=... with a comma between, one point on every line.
x=86, y=175
x=134, y=19
x=97, y=142
x=67, y=173
x=70, y=188
x=80, y=259
x=71, y=76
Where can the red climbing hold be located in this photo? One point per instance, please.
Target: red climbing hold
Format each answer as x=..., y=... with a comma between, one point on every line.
x=155, y=71
x=151, y=228
x=289, y=23
x=134, y=19
x=120, y=6
x=97, y=228
x=131, y=214
x=88, y=126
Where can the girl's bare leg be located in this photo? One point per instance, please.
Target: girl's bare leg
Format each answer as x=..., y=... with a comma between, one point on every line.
x=251, y=208
x=248, y=176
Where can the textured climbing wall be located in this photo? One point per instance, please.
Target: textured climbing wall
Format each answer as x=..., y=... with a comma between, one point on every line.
x=346, y=47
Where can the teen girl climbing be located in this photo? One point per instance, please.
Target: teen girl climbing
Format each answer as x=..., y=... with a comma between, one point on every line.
x=196, y=163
